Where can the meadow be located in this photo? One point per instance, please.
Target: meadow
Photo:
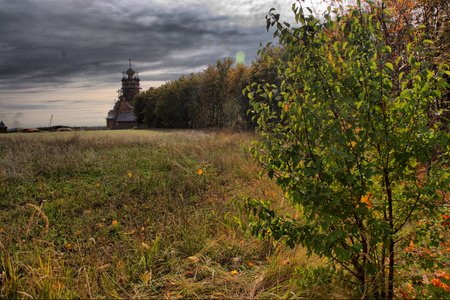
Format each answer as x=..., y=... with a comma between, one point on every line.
x=154, y=214
x=137, y=214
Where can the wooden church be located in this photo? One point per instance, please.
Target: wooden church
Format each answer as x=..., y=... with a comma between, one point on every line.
x=122, y=115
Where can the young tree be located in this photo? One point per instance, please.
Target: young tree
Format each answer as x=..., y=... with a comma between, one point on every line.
x=212, y=91
x=360, y=161
x=144, y=108
x=209, y=93
x=236, y=104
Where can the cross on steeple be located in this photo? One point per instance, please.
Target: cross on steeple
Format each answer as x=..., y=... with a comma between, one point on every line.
x=130, y=62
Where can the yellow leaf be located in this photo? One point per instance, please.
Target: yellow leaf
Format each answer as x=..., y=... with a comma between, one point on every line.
x=145, y=277
x=234, y=272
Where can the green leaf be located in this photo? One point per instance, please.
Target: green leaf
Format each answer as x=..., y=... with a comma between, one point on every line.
x=342, y=254
x=437, y=93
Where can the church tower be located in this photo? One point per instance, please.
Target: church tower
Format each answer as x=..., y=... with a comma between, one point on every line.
x=130, y=84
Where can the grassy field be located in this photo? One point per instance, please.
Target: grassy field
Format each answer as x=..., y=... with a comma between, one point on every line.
x=136, y=214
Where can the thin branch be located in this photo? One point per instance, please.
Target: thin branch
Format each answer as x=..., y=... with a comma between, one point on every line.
x=409, y=215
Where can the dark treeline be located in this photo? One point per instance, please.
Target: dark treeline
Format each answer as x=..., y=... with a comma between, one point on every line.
x=212, y=98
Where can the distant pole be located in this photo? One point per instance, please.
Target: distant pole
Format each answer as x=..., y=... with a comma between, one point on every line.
x=130, y=62
x=51, y=118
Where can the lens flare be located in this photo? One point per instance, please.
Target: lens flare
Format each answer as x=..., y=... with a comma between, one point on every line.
x=240, y=56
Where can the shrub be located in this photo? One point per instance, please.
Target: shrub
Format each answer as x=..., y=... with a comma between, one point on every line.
x=354, y=144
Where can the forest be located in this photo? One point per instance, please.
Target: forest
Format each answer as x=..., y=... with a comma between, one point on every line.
x=212, y=98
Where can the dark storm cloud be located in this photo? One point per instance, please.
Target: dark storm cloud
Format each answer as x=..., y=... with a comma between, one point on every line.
x=63, y=58
x=56, y=42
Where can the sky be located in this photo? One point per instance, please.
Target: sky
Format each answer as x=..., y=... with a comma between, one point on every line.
x=61, y=61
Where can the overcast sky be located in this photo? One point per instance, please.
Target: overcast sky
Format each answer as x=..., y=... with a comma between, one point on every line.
x=66, y=57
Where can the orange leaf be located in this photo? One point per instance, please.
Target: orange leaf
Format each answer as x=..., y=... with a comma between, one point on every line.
x=200, y=172
x=365, y=199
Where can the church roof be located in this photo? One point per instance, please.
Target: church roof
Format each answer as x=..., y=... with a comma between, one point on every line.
x=126, y=117
x=2, y=124
x=111, y=115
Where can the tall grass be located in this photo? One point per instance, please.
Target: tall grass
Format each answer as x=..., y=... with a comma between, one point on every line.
x=134, y=214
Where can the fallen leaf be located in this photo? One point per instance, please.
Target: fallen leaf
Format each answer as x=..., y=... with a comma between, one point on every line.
x=194, y=258
x=145, y=277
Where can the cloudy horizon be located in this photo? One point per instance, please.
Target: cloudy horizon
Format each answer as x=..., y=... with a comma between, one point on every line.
x=65, y=58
